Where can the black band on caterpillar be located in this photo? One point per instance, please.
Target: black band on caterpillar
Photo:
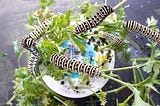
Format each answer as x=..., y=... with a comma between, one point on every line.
x=141, y=29
x=31, y=63
x=112, y=38
x=98, y=18
x=73, y=65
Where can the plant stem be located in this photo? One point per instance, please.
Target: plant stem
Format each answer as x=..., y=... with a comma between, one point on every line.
x=119, y=4
x=121, y=82
x=135, y=45
x=152, y=102
x=116, y=90
x=139, y=59
x=149, y=89
x=153, y=50
x=105, y=1
x=19, y=57
x=60, y=101
x=123, y=68
x=126, y=100
x=100, y=49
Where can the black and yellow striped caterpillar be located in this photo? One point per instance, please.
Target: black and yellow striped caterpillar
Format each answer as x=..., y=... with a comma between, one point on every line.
x=31, y=63
x=29, y=43
x=73, y=65
x=98, y=18
x=30, y=39
x=141, y=29
x=114, y=39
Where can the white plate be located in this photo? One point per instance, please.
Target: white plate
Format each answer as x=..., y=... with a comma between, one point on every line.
x=63, y=87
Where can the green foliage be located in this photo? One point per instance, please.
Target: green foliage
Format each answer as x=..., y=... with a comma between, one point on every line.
x=28, y=89
x=102, y=97
x=16, y=48
x=138, y=100
x=152, y=23
x=87, y=9
x=31, y=91
x=46, y=3
x=30, y=19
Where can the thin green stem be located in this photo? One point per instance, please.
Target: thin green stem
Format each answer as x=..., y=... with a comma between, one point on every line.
x=126, y=100
x=100, y=49
x=153, y=50
x=123, y=68
x=116, y=90
x=60, y=101
x=74, y=5
x=121, y=82
x=135, y=45
x=19, y=57
x=151, y=101
x=105, y=1
x=119, y=4
x=138, y=77
x=91, y=103
x=149, y=89
x=139, y=59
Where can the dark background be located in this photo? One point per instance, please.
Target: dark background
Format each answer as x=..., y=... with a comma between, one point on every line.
x=12, y=22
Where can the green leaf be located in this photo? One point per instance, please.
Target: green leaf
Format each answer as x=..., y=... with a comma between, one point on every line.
x=65, y=19
x=88, y=9
x=157, y=52
x=152, y=23
x=148, y=67
x=30, y=19
x=156, y=82
x=156, y=67
x=138, y=100
x=51, y=2
x=80, y=44
x=102, y=97
x=45, y=3
x=16, y=48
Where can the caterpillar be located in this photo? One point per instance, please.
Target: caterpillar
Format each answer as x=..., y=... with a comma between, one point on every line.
x=29, y=44
x=30, y=39
x=114, y=39
x=141, y=29
x=97, y=19
x=37, y=33
x=31, y=63
x=34, y=51
x=73, y=65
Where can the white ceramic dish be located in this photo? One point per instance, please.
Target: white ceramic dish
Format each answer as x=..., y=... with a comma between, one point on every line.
x=63, y=88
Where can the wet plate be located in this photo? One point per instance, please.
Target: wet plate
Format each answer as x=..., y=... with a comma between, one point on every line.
x=76, y=89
